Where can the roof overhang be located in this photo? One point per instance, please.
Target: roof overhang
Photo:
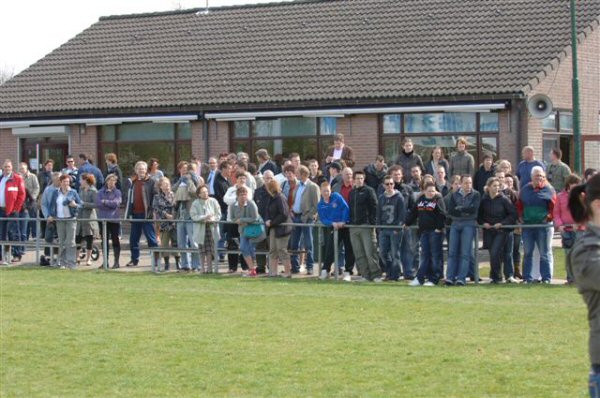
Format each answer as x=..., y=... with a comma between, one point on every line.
x=100, y=121
x=341, y=112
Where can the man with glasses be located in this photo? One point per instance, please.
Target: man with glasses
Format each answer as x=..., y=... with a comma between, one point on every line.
x=535, y=206
x=71, y=170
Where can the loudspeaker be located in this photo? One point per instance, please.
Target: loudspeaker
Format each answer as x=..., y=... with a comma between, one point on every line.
x=539, y=106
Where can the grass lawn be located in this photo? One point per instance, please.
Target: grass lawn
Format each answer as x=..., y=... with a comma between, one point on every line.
x=91, y=333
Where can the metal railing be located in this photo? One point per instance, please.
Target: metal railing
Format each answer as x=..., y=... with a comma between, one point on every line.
x=38, y=244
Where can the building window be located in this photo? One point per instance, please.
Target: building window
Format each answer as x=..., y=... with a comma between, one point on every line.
x=429, y=130
x=132, y=142
x=308, y=136
x=549, y=122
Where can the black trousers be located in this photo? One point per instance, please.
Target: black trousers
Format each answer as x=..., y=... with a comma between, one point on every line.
x=344, y=236
x=112, y=233
x=496, y=242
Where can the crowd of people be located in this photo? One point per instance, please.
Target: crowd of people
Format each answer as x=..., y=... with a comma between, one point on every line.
x=260, y=216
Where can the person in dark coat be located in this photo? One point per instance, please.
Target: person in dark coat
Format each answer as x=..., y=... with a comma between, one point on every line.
x=262, y=198
x=375, y=172
x=278, y=213
x=486, y=171
x=409, y=159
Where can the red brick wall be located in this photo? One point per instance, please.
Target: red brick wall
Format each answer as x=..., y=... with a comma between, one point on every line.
x=198, y=145
x=218, y=137
x=360, y=133
x=8, y=149
x=507, y=138
x=557, y=85
x=85, y=141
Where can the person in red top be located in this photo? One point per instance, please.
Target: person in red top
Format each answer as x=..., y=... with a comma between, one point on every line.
x=12, y=198
x=563, y=220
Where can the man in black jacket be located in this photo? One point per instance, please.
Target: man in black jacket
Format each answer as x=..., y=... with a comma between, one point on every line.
x=375, y=172
x=220, y=185
x=363, y=210
x=262, y=199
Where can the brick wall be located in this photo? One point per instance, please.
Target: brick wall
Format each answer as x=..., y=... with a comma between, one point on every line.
x=557, y=85
x=508, y=136
x=360, y=133
x=85, y=141
x=198, y=145
x=218, y=137
x=9, y=147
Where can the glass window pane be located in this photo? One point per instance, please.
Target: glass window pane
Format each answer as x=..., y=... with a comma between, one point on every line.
x=107, y=133
x=549, y=122
x=489, y=145
x=439, y=122
x=146, y=132
x=566, y=121
x=241, y=146
x=241, y=129
x=307, y=148
x=488, y=122
x=184, y=151
x=130, y=153
x=285, y=127
x=424, y=145
x=391, y=124
x=328, y=125
x=549, y=143
x=184, y=131
x=391, y=148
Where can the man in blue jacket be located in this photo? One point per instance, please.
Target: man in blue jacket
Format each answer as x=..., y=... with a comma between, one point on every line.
x=86, y=167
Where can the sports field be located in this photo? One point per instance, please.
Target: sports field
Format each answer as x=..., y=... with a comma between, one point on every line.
x=93, y=333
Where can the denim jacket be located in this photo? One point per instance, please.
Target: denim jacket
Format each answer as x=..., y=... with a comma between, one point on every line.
x=71, y=195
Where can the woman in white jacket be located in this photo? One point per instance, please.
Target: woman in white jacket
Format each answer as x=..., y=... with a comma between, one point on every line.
x=205, y=212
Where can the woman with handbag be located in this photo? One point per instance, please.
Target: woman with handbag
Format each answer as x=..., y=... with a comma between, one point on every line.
x=278, y=212
x=205, y=212
x=244, y=213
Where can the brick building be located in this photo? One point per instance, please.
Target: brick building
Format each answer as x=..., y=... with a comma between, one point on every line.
x=288, y=76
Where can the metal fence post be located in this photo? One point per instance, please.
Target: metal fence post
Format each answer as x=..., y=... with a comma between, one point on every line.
x=104, y=246
x=335, y=253
x=37, y=238
x=319, y=258
x=476, y=256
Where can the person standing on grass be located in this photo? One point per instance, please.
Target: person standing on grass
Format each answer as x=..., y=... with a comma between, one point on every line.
x=583, y=263
x=164, y=208
x=108, y=201
x=462, y=163
x=429, y=211
x=334, y=213
x=495, y=211
x=512, y=194
x=363, y=211
x=563, y=220
x=536, y=206
x=243, y=212
x=344, y=187
x=391, y=211
x=185, y=193
x=64, y=205
x=12, y=199
x=278, y=212
x=206, y=212
x=28, y=211
x=139, y=207
x=462, y=208
x=87, y=230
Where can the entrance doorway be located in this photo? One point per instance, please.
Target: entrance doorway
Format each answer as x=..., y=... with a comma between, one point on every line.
x=35, y=151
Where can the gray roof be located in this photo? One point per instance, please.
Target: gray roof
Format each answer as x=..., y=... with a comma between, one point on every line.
x=303, y=51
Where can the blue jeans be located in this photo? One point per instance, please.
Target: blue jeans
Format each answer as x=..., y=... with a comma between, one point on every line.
x=461, y=251
x=389, y=251
x=407, y=256
x=9, y=230
x=248, y=248
x=185, y=234
x=136, y=232
x=594, y=384
x=19, y=251
x=540, y=237
x=304, y=233
x=432, y=260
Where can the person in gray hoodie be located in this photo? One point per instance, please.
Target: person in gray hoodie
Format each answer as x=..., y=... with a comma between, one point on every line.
x=584, y=264
x=463, y=208
x=391, y=211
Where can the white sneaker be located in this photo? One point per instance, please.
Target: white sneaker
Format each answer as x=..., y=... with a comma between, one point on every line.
x=324, y=275
x=428, y=283
x=414, y=282
x=3, y=262
x=512, y=280
x=378, y=280
x=347, y=277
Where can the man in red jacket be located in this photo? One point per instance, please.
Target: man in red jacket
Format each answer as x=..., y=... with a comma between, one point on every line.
x=12, y=197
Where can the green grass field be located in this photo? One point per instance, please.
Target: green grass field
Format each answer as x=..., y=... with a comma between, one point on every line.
x=91, y=333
